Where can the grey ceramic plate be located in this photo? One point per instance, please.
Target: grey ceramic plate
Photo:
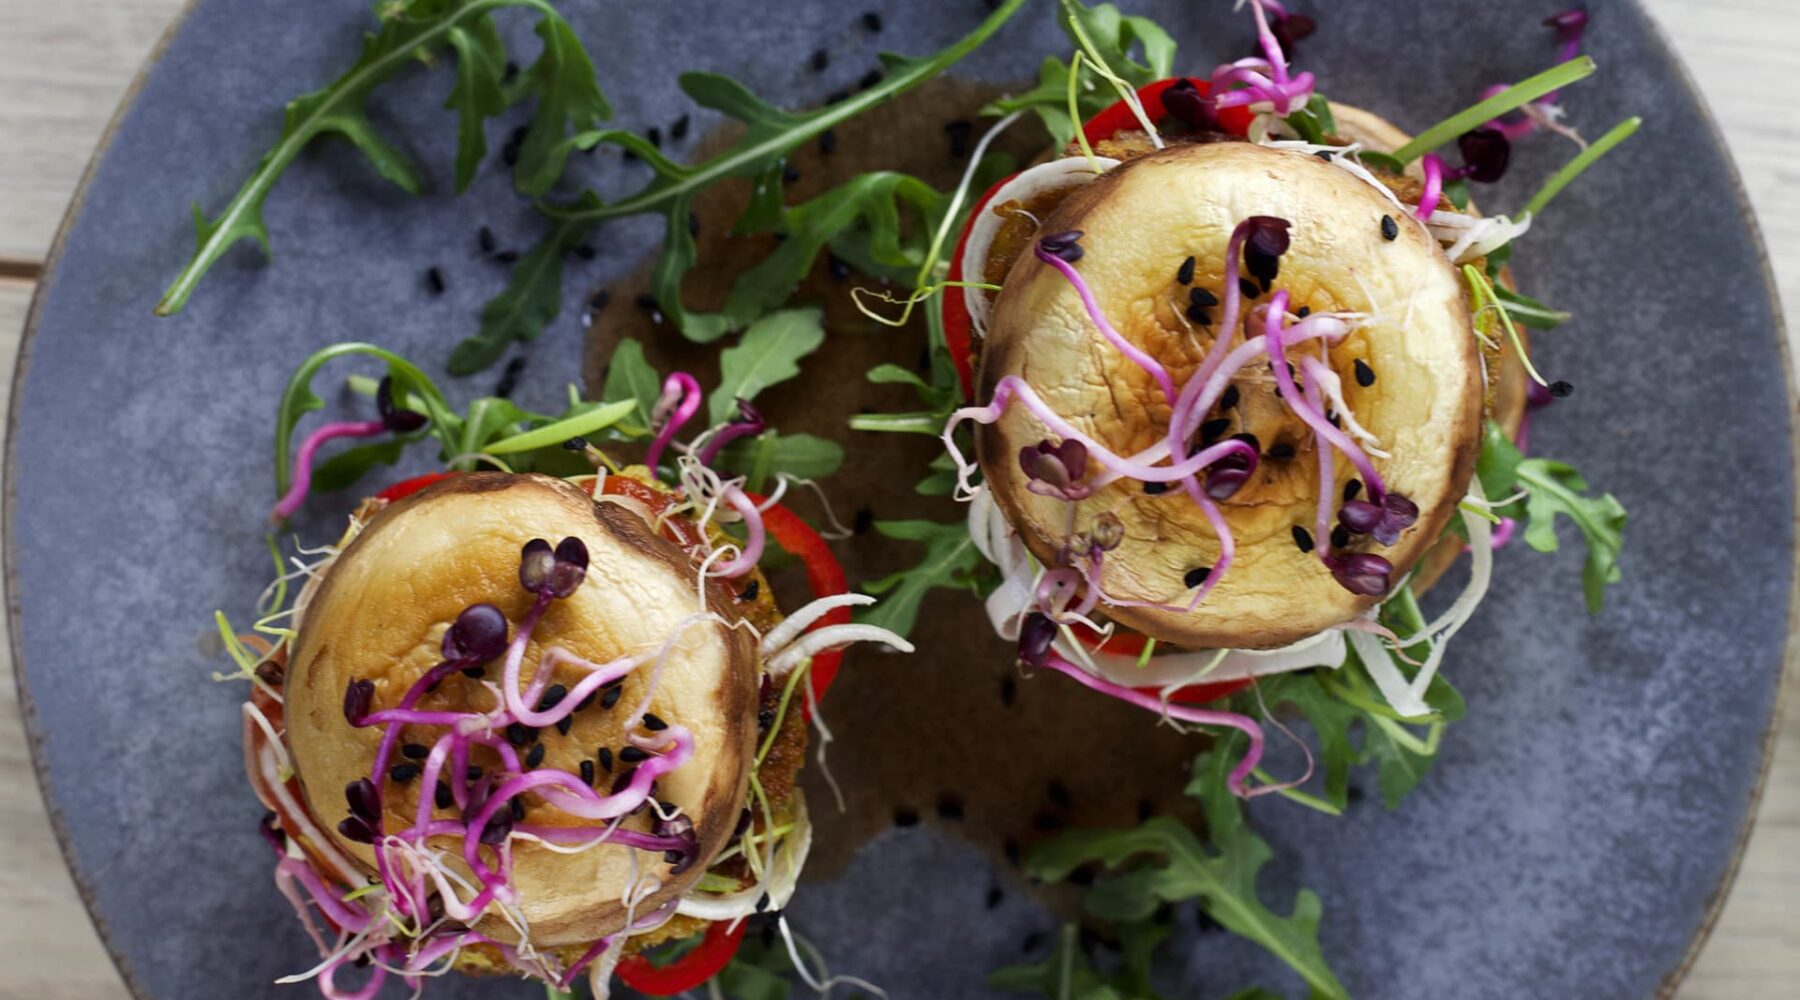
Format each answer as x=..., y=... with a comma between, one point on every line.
x=1576, y=836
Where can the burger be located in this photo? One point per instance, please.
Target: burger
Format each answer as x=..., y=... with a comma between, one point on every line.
x=1229, y=380
x=533, y=725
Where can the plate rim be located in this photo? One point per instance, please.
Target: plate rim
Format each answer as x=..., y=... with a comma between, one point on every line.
x=1787, y=682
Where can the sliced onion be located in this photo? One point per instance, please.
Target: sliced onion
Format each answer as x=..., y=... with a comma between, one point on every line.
x=782, y=877
x=1325, y=649
x=1057, y=175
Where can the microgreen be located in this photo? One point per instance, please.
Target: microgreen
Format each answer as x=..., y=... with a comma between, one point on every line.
x=561, y=79
x=1583, y=160
x=1556, y=488
x=950, y=560
x=1478, y=114
x=1106, y=40
x=1069, y=973
x=768, y=353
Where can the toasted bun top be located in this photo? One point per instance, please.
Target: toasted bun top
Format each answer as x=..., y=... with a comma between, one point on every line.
x=381, y=613
x=1141, y=220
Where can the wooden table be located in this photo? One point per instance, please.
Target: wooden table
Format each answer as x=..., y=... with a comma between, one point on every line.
x=64, y=65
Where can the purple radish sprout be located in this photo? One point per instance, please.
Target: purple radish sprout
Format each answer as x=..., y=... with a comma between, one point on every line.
x=1283, y=93
x=1569, y=25
x=1056, y=470
x=1312, y=416
x=754, y=539
x=1433, y=166
x=1131, y=351
x=747, y=423
x=393, y=418
x=680, y=401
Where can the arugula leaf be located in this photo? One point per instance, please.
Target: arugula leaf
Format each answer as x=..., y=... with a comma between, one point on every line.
x=629, y=376
x=1114, y=37
x=530, y=300
x=298, y=399
x=768, y=353
x=1069, y=974
x=1220, y=875
x=757, y=972
x=1556, y=488
x=1497, y=466
x=950, y=560
x=561, y=79
x=347, y=466
x=1331, y=720
x=769, y=136
x=802, y=456
x=1314, y=122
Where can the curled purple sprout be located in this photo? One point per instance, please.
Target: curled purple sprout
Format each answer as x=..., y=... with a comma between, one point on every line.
x=1433, y=167
x=1569, y=25
x=1311, y=415
x=680, y=401
x=1265, y=81
x=1136, y=354
x=754, y=540
x=747, y=423
x=393, y=418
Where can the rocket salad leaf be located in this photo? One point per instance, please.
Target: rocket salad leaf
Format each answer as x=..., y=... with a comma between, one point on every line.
x=561, y=79
x=1113, y=37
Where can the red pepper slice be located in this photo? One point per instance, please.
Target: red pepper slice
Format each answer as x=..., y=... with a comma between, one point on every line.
x=1128, y=643
x=824, y=575
x=690, y=970
x=1108, y=123
x=407, y=487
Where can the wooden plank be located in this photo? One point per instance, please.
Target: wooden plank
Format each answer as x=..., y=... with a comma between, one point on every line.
x=64, y=65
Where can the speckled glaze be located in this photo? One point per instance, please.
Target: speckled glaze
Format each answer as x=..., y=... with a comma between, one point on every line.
x=1575, y=834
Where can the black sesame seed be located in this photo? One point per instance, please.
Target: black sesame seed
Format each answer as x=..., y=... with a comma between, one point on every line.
x=434, y=280
x=1205, y=922
x=1033, y=942
x=1324, y=154
x=442, y=796
x=906, y=816
x=585, y=251
x=1011, y=849
x=836, y=96
x=1303, y=312
x=575, y=444
x=1248, y=288
x=600, y=300
x=1153, y=489
x=950, y=806
x=404, y=772
x=1390, y=230
x=994, y=896
x=473, y=773
x=1009, y=691
x=1199, y=316
x=633, y=755
x=679, y=129
x=1047, y=822
x=484, y=238
x=611, y=697
x=1146, y=809
x=958, y=131
x=1340, y=537
x=1351, y=489
x=606, y=756
x=870, y=79
x=654, y=134
x=1365, y=376
x=625, y=153
x=750, y=591
x=645, y=301
x=654, y=722
x=819, y=61
x=863, y=521
x=1185, y=274
x=1059, y=794
x=1354, y=793
x=512, y=72
x=506, y=257
x=693, y=224
x=788, y=174
x=516, y=806
x=839, y=270
x=564, y=724
x=1561, y=389
x=535, y=756
x=871, y=21
x=415, y=751
x=1303, y=539
x=1212, y=430
x=587, y=772
x=1083, y=876
x=622, y=780
x=1335, y=420
x=1230, y=398
x=519, y=734
x=1249, y=439
x=828, y=142
x=765, y=717
x=1201, y=297
x=509, y=378
x=1196, y=576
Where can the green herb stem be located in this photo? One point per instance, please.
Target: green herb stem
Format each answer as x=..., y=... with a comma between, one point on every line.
x=1574, y=168
x=1516, y=96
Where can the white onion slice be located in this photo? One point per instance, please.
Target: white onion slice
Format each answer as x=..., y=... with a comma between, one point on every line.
x=1325, y=649
x=779, y=882
x=1057, y=175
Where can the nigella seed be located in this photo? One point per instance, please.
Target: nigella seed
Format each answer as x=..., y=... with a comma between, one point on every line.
x=1059, y=795
x=633, y=755
x=600, y=300
x=1011, y=849
x=1212, y=430
x=839, y=270
x=950, y=806
x=536, y=756
x=994, y=896
x=622, y=780
x=1009, y=691
x=654, y=722
x=828, y=142
x=1324, y=154
x=863, y=521
x=1249, y=439
x=516, y=806
x=958, y=131
x=1303, y=312
x=1230, y=398
x=1201, y=297
x=819, y=61
x=1185, y=274
x=476, y=672
x=679, y=129
x=788, y=174
x=434, y=280
x=1154, y=489
x=1340, y=537
x=1196, y=576
x=611, y=697
x=415, y=751
x=654, y=134
x=765, y=717
x=474, y=772
x=519, y=734
x=442, y=796
x=564, y=724
x=509, y=378
x=586, y=251
x=404, y=773
x=587, y=772
x=871, y=22
x=645, y=301
x=1365, y=376
x=588, y=702
x=1199, y=316
x=906, y=816
x=511, y=73
x=837, y=96
x=750, y=591
x=870, y=79
x=606, y=757
x=1146, y=809
x=693, y=224
x=1390, y=230
x=1303, y=539
x=506, y=257
x=1047, y=822
x=484, y=238
x=1248, y=288
x=553, y=697
x=1561, y=389
x=1351, y=489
